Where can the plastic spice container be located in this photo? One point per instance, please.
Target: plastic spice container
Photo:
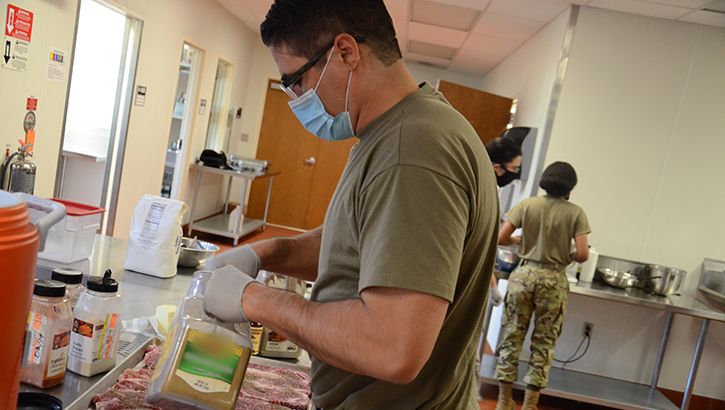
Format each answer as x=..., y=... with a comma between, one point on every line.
x=72, y=279
x=271, y=343
x=203, y=360
x=49, y=324
x=96, y=327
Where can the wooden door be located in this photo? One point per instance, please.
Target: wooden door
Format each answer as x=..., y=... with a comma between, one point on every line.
x=488, y=113
x=302, y=192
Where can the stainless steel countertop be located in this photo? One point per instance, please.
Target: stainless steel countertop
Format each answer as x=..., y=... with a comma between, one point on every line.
x=140, y=293
x=682, y=304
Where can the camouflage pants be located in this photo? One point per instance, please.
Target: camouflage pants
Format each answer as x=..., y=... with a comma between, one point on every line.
x=532, y=291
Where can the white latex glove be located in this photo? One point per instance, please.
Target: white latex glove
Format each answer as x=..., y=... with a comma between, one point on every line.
x=496, y=296
x=243, y=258
x=223, y=294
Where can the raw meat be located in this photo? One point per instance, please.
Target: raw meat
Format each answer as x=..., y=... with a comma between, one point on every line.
x=245, y=403
x=264, y=388
x=291, y=397
x=277, y=377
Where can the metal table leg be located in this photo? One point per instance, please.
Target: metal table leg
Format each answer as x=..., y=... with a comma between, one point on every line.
x=229, y=191
x=663, y=347
x=238, y=225
x=695, y=364
x=193, y=202
x=266, y=205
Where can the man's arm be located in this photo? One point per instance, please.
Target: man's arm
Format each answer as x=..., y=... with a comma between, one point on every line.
x=388, y=334
x=296, y=256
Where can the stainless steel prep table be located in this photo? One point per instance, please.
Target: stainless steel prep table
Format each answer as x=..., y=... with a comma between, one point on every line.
x=218, y=224
x=619, y=394
x=140, y=293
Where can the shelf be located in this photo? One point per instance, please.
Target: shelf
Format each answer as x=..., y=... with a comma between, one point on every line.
x=217, y=225
x=588, y=388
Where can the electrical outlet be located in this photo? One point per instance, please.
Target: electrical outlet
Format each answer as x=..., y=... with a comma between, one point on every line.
x=588, y=329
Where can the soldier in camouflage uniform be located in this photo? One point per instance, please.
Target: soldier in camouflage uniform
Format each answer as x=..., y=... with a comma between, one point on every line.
x=538, y=287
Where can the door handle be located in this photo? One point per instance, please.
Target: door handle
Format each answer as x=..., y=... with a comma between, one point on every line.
x=310, y=161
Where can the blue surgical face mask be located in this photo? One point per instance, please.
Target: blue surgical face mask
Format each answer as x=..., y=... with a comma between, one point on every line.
x=311, y=112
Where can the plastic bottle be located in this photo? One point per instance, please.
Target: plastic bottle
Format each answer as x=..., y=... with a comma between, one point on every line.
x=273, y=344
x=257, y=330
x=72, y=279
x=203, y=360
x=49, y=325
x=96, y=327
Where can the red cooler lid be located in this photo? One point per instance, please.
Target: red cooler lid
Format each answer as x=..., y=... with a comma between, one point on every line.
x=76, y=209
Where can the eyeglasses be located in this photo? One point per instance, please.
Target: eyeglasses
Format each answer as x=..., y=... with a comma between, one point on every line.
x=289, y=82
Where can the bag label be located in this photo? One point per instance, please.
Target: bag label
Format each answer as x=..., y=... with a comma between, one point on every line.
x=209, y=362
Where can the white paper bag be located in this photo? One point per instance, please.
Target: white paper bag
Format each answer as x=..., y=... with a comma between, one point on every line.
x=154, y=241
x=233, y=216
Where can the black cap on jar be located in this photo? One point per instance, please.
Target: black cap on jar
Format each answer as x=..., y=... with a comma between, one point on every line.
x=49, y=288
x=67, y=275
x=103, y=283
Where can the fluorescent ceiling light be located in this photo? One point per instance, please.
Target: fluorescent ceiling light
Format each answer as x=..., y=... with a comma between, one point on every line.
x=432, y=50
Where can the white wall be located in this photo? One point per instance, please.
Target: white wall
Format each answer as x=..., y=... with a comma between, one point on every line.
x=528, y=75
x=53, y=25
x=640, y=119
x=167, y=24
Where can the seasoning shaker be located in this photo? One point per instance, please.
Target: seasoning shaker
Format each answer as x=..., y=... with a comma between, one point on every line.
x=203, y=361
x=49, y=324
x=72, y=279
x=96, y=327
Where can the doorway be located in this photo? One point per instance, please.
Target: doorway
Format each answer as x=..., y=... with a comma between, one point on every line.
x=220, y=116
x=99, y=103
x=309, y=167
x=181, y=120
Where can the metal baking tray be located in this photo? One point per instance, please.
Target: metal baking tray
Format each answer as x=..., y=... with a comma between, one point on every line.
x=135, y=360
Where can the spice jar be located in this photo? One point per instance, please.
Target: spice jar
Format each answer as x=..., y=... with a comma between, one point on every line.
x=203, y=360
x=72, y=279
x=49, y=324
x=96, y=327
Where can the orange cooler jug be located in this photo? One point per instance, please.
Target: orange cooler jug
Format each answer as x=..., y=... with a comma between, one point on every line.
x=19, y=242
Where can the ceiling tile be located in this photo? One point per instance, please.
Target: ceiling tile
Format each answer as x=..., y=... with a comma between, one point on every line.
x=469, y=4
x=398, y=9
x=533, y=10
x=443, y=15
x=715, y=5
x=707, y=18
x=641, y=8
x=436, y=35
x=508, y=27
x=484, y=51
x=693, y=4
x=432, y=50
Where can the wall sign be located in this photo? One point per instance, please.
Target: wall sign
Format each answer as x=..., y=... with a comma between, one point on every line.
x=57, y=66
x=18, y=30
x=140, y=95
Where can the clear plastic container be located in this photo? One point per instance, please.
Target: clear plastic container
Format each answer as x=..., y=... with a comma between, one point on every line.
x=71, y=239
x=72, y=279
x=203, y=360
x=96, y=327
x=49, y=324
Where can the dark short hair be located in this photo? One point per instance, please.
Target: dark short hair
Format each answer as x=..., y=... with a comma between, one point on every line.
x=307, y=26
x=502, y=150
x=558, y=179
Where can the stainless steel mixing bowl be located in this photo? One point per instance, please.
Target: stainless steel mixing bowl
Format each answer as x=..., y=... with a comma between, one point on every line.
x=193, y=257
x=507, y=257
x=662, y=280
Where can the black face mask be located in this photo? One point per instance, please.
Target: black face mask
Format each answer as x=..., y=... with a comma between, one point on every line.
x=506, y=178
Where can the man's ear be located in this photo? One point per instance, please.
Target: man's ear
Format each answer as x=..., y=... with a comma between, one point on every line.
x=349, y=49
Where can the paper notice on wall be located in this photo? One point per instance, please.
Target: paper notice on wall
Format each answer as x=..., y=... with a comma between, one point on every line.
x=16, y=44
x=57, y=65
x=15, y=54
